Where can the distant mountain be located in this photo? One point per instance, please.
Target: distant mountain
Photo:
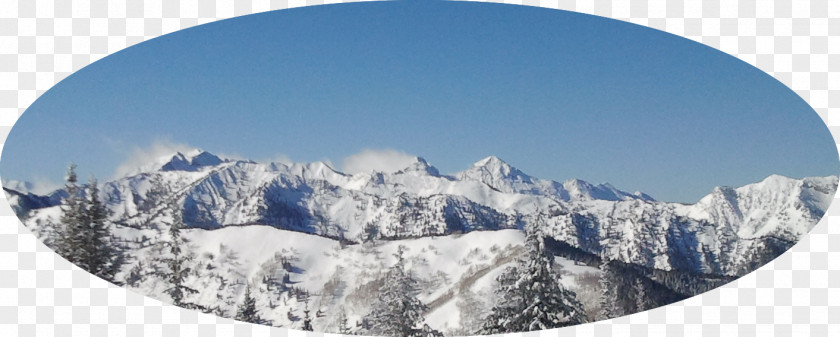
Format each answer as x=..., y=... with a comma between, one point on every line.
x=713, y=235
x=729, y=232
x=502, y=177
x=23, y=187
x=23, y=202
x=180, y=162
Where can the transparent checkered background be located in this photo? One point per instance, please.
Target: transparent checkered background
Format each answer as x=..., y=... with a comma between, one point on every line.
x=42, y=42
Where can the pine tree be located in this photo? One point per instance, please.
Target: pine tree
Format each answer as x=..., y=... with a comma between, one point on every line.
x=248, y=309
x=69, y=241
x=531, y=296
x=370, y=233
x=307, y=321
x=177, y=268
x=98, y=239
x=156, y=194
x=427, y=331
x=611, y=280
x=343, y=326
x=135, y=275
x=640, y=293
x=397, y=311
x=85, y=238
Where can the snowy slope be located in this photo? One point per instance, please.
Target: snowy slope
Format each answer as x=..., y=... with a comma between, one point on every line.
x=722, y=233
x=336, y=278
x=301, y=232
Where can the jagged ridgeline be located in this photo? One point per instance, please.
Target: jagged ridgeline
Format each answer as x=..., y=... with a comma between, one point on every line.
x=304, y=246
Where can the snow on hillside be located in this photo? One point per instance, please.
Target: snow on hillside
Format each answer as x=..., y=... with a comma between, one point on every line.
x=768, y=207
x=306, y=233
x=711, y=236
x=344, y=278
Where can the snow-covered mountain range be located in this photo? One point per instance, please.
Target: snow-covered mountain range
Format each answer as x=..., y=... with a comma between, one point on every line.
x=255, y=213
x=713, y=235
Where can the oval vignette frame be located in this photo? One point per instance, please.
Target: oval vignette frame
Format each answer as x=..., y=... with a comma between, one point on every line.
x=783, y=261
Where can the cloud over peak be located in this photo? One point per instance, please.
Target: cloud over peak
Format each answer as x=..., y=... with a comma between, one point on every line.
x=139, y=157
x=385, y=160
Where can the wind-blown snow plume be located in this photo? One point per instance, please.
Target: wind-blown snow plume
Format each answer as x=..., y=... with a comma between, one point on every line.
x=387, y=161
x=139, y=157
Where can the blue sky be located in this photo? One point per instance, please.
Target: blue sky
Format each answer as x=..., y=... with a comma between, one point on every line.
x=558, y=95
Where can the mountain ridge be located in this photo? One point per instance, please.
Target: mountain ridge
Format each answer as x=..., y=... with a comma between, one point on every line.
x=708, y=236
x=288, y=229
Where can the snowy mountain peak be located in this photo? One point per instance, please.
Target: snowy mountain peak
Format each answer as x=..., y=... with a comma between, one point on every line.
x=489, y=160
x=579, y=189
x=721, y=196
x=498, y=168
x=420, y=166
x=577, y=184
x=776, y=182
x=313, y=230
x=315, y=170
x=206, y=159
x=725, y=194
x=718, y=235
x=778, y=177
x=191, y=161
x=502, y=177
x=494, y=164
x=723, y=190
x=582, y=190
x=498, y=175
x=643, y=196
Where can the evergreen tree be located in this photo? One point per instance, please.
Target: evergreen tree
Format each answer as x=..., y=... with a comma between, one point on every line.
x=156, y=194
x=85, y=238
x=397, y=311
x=531, y=296
x=135, y=275
x=370, y=233
x=611, y=297
x=248, y=309
x=98, y=239
x=176, y=264
x=640, y=293
x=427, y=331
x=343, y=326
x=307, y=321
x=69, y=241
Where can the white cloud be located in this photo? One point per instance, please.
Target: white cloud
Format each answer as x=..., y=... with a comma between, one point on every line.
x=38, y=185
x=139, y=157
x=377, y=160
x=41, y=185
